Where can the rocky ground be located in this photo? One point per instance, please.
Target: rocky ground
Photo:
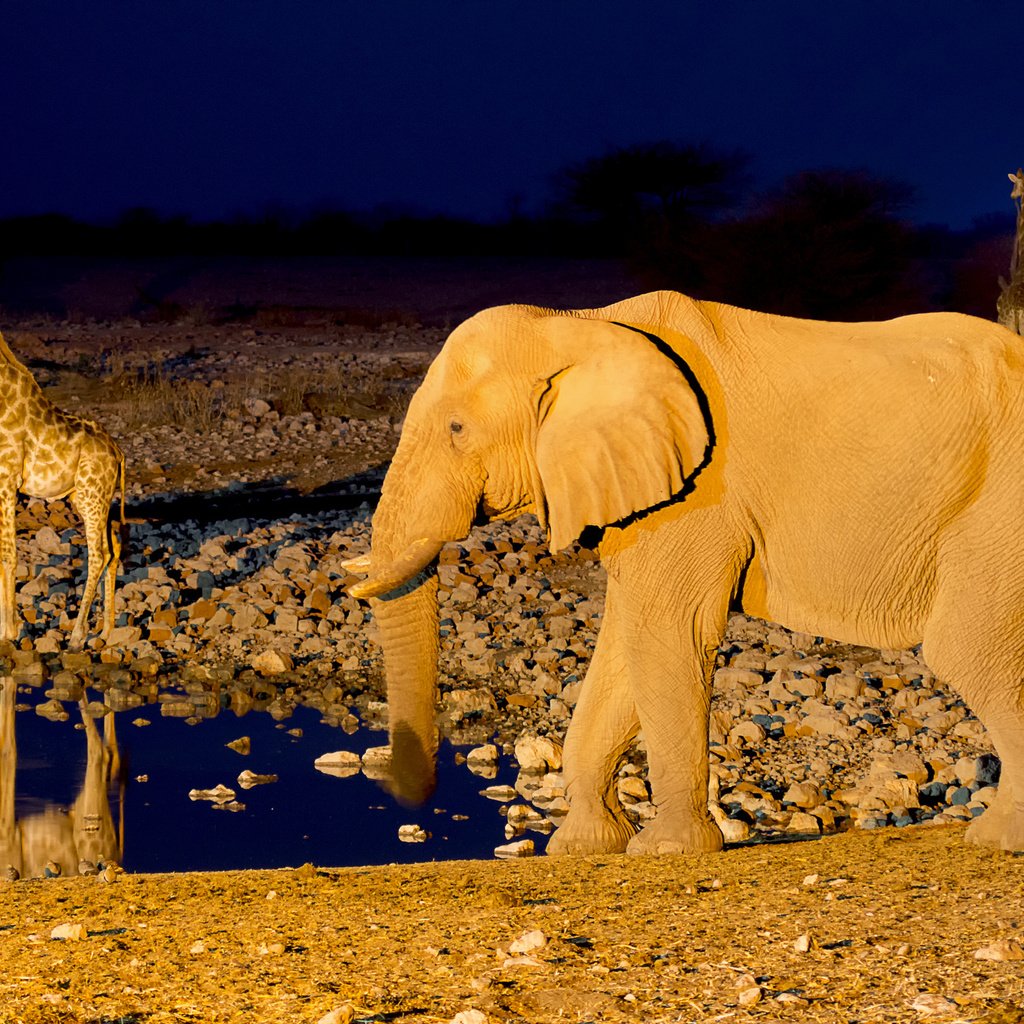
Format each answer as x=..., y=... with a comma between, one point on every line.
x=255, y=453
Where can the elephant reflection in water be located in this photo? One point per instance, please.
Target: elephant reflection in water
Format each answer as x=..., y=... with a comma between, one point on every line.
x=85, y=833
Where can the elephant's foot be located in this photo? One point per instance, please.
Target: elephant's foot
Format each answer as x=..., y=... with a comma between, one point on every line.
x=687, y=835
x=1001, y=826
x=585, y=833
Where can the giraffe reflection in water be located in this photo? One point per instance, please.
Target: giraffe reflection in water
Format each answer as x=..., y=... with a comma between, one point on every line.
x=77, y=838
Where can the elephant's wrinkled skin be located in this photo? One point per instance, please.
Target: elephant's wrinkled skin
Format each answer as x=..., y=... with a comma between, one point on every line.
x=859, y=481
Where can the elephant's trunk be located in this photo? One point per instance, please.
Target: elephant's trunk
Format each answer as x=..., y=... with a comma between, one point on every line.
x=407, y=619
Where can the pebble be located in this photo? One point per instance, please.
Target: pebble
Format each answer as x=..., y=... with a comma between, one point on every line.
x=69, y=932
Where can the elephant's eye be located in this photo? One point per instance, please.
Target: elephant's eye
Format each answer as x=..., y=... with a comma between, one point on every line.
x=455, y=427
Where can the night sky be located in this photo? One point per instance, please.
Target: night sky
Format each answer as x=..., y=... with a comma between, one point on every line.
x=217, y=107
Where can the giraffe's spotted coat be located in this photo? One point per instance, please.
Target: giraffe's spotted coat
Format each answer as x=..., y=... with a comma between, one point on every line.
x=47, y=453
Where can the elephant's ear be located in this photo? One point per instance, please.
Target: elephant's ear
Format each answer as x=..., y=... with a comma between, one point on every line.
x=620, y=428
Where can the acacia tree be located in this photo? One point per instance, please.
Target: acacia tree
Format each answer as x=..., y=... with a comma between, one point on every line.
x=828, y=244
x=651, y=202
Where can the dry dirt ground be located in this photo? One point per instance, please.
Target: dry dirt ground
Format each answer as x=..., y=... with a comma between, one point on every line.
x=891, y=922
x=863, y=926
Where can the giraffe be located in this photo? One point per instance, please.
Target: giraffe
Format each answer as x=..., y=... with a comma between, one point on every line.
x=1010, y=305
x=47, y=453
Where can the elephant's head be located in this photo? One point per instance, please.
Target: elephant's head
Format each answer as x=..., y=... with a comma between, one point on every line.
x=581, y=421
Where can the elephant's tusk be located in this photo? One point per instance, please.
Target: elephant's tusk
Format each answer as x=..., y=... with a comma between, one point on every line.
x=416, y=557
x=359, y=564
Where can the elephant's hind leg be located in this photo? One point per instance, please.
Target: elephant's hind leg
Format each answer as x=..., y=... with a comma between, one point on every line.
x=604, y=723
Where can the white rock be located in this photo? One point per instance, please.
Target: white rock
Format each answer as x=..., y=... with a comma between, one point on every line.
x=412, y=834
x=749, y=996
x=528, y=941
x=470, y=1017
x=803, y=822
x=341, y=1015
x=1002, y=949
x=500, y=793
x=510, y=851
x=69, y=932
x=341, y=763
x=929, y=1003
x=538, y=754
x=804, y=943
x=270, y=663
x=803, y=794
x=248, y=779
x=219, y=794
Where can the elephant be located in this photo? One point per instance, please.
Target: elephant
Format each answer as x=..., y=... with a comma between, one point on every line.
x=860, y=481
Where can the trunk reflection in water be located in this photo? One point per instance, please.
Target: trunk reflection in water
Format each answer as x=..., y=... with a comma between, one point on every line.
x=53, y=773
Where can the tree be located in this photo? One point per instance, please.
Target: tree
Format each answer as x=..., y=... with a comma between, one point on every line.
x=828, y=244
x=649, y=202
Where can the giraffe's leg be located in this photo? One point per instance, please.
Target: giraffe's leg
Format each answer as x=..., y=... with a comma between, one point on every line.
x=110, y=580
x=94, y=513
x=8, y=564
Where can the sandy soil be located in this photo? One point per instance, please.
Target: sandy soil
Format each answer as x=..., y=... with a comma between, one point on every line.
x=893, y=921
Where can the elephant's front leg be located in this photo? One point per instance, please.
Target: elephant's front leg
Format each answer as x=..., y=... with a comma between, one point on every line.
x=676, y=600
x=604, y=723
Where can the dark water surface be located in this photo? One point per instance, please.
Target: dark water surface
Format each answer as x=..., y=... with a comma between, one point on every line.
x=74, y=792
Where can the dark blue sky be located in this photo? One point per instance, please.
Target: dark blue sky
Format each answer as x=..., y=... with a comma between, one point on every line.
x=212, y=107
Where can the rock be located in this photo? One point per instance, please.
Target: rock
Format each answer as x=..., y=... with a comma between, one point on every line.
x=930, y=1004
x=69, y=932
x=791, y=999
x=271, y=663
x=528, y=942
x=470, y=1017
x=747, y=734
x=987, y=769
x=803, y=794
x=219, y=794
x=412, y=834
x=804, y=823
x=500, y=793
x=377, y=763
x=511, y=851
x=257, y=407
x=804, y=943
x=248, y=779
x=538, y=754
x=243, y=745
x=483, y=761
x=343, y=764
x=749, y=996
x=1002, y=949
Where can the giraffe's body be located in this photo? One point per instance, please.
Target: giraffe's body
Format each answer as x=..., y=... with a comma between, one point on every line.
x=1010, y=304
x=47, y=453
